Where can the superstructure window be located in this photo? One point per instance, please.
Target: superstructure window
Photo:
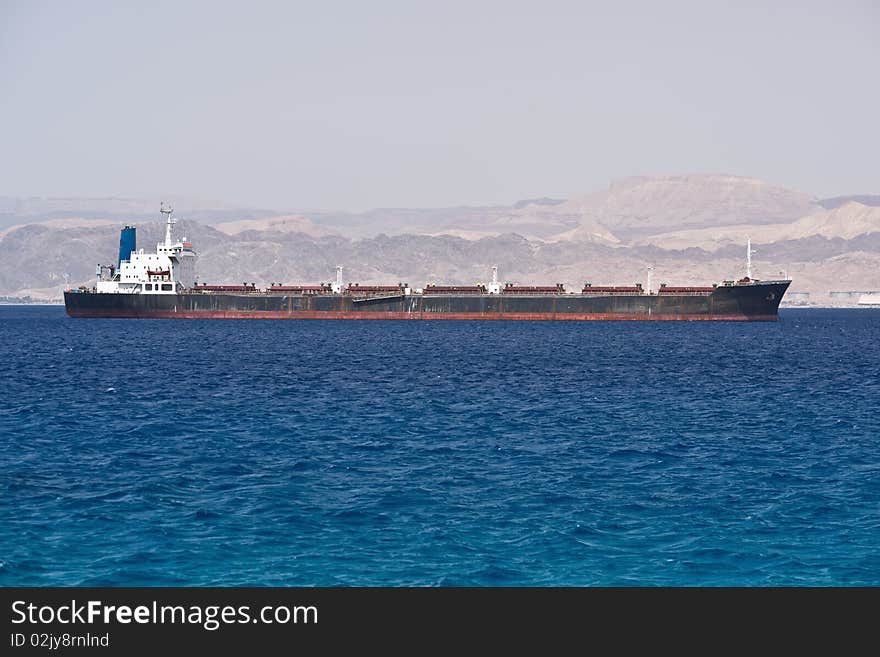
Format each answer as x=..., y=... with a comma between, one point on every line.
x=148, y=286
x=166, y=287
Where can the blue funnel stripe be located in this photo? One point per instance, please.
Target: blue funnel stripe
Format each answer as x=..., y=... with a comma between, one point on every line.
x=127, y=243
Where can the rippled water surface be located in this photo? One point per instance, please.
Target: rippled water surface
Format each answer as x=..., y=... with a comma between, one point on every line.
x=176, y=452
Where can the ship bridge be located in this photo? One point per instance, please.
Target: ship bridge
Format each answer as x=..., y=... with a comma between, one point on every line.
x=167, y=271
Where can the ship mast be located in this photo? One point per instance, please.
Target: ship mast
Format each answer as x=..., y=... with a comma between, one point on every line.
x=166, y=209
x=650, y=272
x=749, y=254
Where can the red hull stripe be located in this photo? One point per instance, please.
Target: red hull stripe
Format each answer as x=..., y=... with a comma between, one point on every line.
x=283, y=314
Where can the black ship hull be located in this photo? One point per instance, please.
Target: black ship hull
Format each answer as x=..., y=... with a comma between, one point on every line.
x=754, y=301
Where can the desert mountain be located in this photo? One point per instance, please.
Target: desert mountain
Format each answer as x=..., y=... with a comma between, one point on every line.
x=280, y=224
x=21, y=211
x=629, y=208
x=645, y=205
x=691, y=229
x=844, y=222
x=837, y=201
x=536, y=219
x=72, y=222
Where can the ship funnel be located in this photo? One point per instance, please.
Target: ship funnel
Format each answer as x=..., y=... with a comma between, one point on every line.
x=127, y=244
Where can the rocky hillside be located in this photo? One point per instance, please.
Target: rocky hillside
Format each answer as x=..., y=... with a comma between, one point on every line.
x=691, y=229
x=844, y=222
x=628, y=208
x=645, y=205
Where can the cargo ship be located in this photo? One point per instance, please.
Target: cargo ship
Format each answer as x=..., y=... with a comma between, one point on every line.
x=163, y=285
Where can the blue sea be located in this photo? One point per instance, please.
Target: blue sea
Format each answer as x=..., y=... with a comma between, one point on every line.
x=213, y=452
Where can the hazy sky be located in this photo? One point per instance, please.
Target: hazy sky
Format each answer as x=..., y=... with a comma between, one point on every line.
x=353, y=105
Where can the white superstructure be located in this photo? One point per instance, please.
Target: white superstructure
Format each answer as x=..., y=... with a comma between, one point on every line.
x=337, y=286
x=167, y=271
x=870, y=300
x=494, y=287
